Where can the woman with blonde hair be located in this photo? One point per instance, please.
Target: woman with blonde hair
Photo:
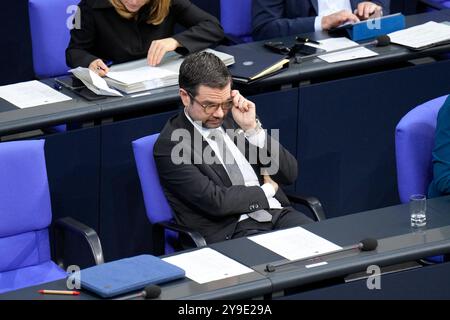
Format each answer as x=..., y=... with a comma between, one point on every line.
x=116, y=31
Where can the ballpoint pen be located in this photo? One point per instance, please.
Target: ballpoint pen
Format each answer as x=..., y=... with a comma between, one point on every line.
x=306, y=40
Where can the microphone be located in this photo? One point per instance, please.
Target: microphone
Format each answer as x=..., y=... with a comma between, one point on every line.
x=150, y=292
x=367, y=244
x=381, y=41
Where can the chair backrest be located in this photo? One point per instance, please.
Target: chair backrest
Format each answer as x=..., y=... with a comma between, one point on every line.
x=50, y=22
x=156, y=205
x=25, y=209
x=414, y=142
x=236, y=18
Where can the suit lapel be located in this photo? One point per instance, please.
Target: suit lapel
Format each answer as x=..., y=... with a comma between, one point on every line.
x=216, y=167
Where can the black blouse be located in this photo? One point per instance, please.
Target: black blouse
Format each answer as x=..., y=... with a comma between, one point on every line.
x=104, y=34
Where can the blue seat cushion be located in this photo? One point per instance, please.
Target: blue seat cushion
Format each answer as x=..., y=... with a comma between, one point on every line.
x=30, y=276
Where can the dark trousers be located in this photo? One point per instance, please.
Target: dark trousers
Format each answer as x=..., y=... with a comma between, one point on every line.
x=281, y=219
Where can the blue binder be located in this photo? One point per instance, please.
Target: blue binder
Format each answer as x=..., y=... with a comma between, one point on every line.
x=372, y=28
x=126, y=275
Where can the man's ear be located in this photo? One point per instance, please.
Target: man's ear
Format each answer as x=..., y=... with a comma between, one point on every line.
x=185, y=99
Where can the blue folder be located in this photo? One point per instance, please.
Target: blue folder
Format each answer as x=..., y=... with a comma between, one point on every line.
x=126, y=275
x=372, y=28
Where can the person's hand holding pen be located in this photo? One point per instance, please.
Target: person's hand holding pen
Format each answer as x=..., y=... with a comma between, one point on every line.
x=99, y=67
x=159, y=48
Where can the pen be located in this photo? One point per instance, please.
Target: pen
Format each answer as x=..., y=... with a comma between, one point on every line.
x=305, y=40
x=65, y=292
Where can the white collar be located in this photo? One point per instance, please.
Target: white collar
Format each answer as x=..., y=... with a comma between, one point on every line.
x=197, y=125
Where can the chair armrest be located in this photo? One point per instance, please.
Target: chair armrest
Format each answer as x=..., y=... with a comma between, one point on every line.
x=311, y=202
x=196, y=237
x=69, y=224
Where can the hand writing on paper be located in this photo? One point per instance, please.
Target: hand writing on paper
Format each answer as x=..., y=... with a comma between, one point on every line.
x=99, y=67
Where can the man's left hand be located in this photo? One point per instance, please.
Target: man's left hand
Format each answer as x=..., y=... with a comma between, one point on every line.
x=244, y=111
x=367, y=9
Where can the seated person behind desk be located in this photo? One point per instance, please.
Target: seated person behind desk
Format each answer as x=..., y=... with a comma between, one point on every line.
x=440, y=185
x=222, y=199
x=279, y=18
x=123, y=30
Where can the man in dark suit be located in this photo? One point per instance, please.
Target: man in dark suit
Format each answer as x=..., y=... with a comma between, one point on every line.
x=219, y=169
x=278, y=18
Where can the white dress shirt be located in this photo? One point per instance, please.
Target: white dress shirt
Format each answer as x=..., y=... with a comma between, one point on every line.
x=250, y=177
x=327, y=7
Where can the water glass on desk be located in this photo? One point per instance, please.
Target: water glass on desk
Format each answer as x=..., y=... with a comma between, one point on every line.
x=418, y=210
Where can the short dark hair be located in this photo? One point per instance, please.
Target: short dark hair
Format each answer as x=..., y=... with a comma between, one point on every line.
x=203, y=68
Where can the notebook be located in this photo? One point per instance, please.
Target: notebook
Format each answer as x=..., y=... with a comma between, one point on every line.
x=251, y=65
x=126, y=275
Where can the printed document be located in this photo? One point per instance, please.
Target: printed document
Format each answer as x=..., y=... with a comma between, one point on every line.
x=30, y=94
x=206, y=265
x=422, y=36
x=295, y=243
x=345, y=55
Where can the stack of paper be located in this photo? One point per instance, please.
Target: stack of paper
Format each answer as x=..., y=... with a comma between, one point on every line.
x=136, y=76
x=94, y=82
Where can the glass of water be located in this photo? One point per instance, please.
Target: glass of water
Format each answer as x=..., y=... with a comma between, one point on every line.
x=418, y=210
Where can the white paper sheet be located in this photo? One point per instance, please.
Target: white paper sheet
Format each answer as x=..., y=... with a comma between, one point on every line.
x=206, y=265
x=94, y=82
x=295, y=243
x=422, y=35
x=30, y=94
x=140, y=75
x=342, y=43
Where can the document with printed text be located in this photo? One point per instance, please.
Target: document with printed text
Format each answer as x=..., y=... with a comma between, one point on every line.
x=30, y=94
x=295, y=243
x=422, y=36
x=206, y=265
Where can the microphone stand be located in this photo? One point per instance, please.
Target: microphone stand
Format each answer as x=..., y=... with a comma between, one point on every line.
x=271, y=267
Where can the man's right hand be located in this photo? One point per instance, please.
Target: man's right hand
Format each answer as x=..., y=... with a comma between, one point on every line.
x=268, y=179
x=99, y=67
x=336, y=19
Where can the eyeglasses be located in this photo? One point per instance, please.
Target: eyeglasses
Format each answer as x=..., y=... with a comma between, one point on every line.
x=211, y=108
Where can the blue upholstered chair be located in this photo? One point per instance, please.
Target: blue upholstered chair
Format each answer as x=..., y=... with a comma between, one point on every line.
x=435, y=4
x=50, y=35
x=414, y=142
x=160, y=214
x=25, y=216
x=236, y=20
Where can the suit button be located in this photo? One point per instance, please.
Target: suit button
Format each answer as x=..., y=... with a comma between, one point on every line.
x=227, y=238
x=256, y=206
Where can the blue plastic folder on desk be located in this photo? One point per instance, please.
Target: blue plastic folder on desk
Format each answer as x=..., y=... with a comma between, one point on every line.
x=372, y=28
x=126, y=275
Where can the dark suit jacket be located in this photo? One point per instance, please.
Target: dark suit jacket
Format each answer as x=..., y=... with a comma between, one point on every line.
x=202, y=195
x=105, y=34
x=278, y=18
